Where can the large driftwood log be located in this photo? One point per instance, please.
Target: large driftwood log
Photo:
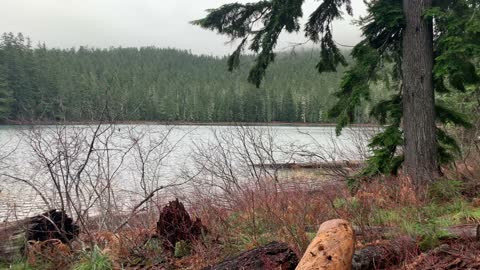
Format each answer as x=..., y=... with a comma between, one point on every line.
x=50, y=225
x=332, y=248
x=272, y=256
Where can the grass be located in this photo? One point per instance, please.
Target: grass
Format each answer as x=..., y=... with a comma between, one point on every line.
x=94, y=260
x=91, y=260
x=21, y=265
x=427, y=222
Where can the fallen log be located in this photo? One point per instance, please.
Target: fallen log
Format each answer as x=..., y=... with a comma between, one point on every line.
x=389, y=253
x=465, y=231
x=50, y=225
x=272, y=256
x=454, y=255
x=328, y=165
x=384, y=255
x=468, y=231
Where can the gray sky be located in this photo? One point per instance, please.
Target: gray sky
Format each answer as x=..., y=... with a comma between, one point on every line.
x=127, y=23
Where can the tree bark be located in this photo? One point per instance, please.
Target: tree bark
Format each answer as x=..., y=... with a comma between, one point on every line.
x=420, y=147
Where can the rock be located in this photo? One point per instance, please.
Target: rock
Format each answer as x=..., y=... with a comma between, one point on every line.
x=331, y=249
x=275, y=255
x=175, y=225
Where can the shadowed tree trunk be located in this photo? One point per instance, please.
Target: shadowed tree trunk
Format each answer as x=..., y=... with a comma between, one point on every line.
x=418, y=96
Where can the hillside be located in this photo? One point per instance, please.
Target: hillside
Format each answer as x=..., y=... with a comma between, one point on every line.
x=131, y=84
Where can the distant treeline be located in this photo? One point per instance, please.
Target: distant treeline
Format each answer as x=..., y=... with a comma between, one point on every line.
x=42, y=84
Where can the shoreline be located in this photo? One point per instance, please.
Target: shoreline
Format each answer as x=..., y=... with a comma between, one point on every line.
x=181, y=123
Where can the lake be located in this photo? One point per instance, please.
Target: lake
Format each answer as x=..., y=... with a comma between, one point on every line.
x=136, y=159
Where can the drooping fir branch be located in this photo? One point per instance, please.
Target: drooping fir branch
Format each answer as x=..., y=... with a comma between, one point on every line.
x=235, y=20
x=386, y=157
x=457, y=43
x=318, y=29
x=382, y=30
x=384, y=25
x=355, y=85
x=457, y=50
x=261, y=24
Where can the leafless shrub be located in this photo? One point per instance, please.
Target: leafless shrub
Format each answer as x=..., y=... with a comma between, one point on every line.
x=103, y=175
x=246, y=170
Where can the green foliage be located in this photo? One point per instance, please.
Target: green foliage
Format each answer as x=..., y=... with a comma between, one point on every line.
x=249, y=231
x=448, y=148
x=21, y=265
x=444, y=190
x=354, y=88
x=94, y=260
x=182, y=249
x=6, y=99
x=457, y=42
x=383, y=26
x=339, y=203
x=149, y=254
x=384, y=146
x=430, y=236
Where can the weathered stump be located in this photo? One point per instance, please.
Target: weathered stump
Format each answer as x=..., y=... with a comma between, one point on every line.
x=175, y=225
x=275, y=255
x=50, y=225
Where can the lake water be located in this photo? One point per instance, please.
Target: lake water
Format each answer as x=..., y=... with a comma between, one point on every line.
x=138, y=158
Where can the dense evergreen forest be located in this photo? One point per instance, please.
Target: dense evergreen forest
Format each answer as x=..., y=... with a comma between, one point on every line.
x=130, y=84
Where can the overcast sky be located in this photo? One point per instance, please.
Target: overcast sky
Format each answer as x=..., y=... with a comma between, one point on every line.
x=127, y=23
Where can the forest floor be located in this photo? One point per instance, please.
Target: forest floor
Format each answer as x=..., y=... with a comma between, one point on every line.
x=265, y=214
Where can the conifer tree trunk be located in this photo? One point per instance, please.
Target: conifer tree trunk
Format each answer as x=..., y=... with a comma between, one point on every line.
x=418, y=95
